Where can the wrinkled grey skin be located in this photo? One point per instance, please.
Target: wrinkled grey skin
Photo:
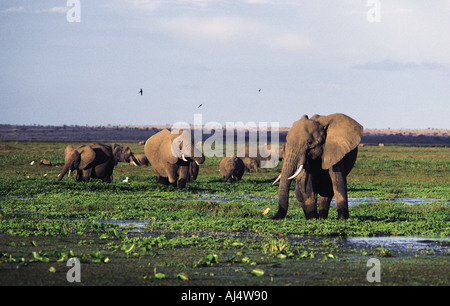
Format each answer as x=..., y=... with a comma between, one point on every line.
x=123, y=154
x=170, y=154
x=94, y=160
x=319, y=154
x=231, y=168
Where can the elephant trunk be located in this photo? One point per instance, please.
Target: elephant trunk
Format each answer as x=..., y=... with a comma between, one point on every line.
x=292, y=166
x=228, y=176
x=199, y=160
x=134, y=159
x=64, y=171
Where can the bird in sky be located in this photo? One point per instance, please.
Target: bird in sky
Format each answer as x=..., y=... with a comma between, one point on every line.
x=259, y=90
x=199, y=105
x=141, y=91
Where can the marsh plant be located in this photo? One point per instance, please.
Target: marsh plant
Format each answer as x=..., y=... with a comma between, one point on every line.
x=142, y=224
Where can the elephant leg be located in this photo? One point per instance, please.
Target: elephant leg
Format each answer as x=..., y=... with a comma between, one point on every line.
x=87, y=175
x=324, y=206
x=173, y=176
x=308, y=203
x=339, y=180
x=310, y=208
x=79, y=176
x=305, y=195
x=184, y=174
x=181, y=183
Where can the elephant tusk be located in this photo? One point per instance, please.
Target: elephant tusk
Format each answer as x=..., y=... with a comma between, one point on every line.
x=278, y=178
x=197, y=162
x=296, y=173
x=183, y=157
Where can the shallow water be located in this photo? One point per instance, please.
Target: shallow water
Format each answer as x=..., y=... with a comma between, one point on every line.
x=137, y=224
x=351, y=201
x=403, y=244
x=355, y=201
x=407, y=245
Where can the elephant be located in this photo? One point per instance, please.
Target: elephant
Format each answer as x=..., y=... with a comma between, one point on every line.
x=192, y=172
x=231, y=168
x=123, y=154
x=142, y=160
x=170, y=154
x=250, y=164
x=264, y=155
x=94, y=160
x=320, y=152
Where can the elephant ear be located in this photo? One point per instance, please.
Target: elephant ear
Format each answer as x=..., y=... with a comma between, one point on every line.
x=67, y=152
x=87, y=156
x=181, y=143
x=343, y=134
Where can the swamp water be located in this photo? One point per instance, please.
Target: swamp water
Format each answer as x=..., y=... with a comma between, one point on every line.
x=351, y=201
x=406, y=245
x=336, y=260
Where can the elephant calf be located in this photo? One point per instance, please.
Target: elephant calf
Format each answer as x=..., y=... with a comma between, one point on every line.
x=250, y=164
x=231, y=168
x=123, y=154
x=94, y=160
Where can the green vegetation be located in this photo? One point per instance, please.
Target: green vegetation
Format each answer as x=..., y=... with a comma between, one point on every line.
x=213, y=232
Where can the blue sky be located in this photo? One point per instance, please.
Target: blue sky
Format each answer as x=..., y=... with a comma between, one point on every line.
x=307, y=57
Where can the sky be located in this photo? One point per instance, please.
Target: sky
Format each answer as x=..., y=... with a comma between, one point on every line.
x=385, y=63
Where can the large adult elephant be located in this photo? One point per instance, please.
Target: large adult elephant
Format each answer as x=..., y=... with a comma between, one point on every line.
x=170, y=154
x=320, y=152
x=94, y=160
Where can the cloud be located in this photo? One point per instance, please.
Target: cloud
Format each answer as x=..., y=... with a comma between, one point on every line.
x=390, y=65
x=235, y=30
x=400, y=11
x=13, y=10
x=54, y=10
x=152, y=5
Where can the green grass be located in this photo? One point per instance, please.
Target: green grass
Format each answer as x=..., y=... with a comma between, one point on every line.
x=207, y=217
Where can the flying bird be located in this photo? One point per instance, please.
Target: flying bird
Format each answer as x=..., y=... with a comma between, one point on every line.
x=141, y=91
x=199, y=105
x=259, y=90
